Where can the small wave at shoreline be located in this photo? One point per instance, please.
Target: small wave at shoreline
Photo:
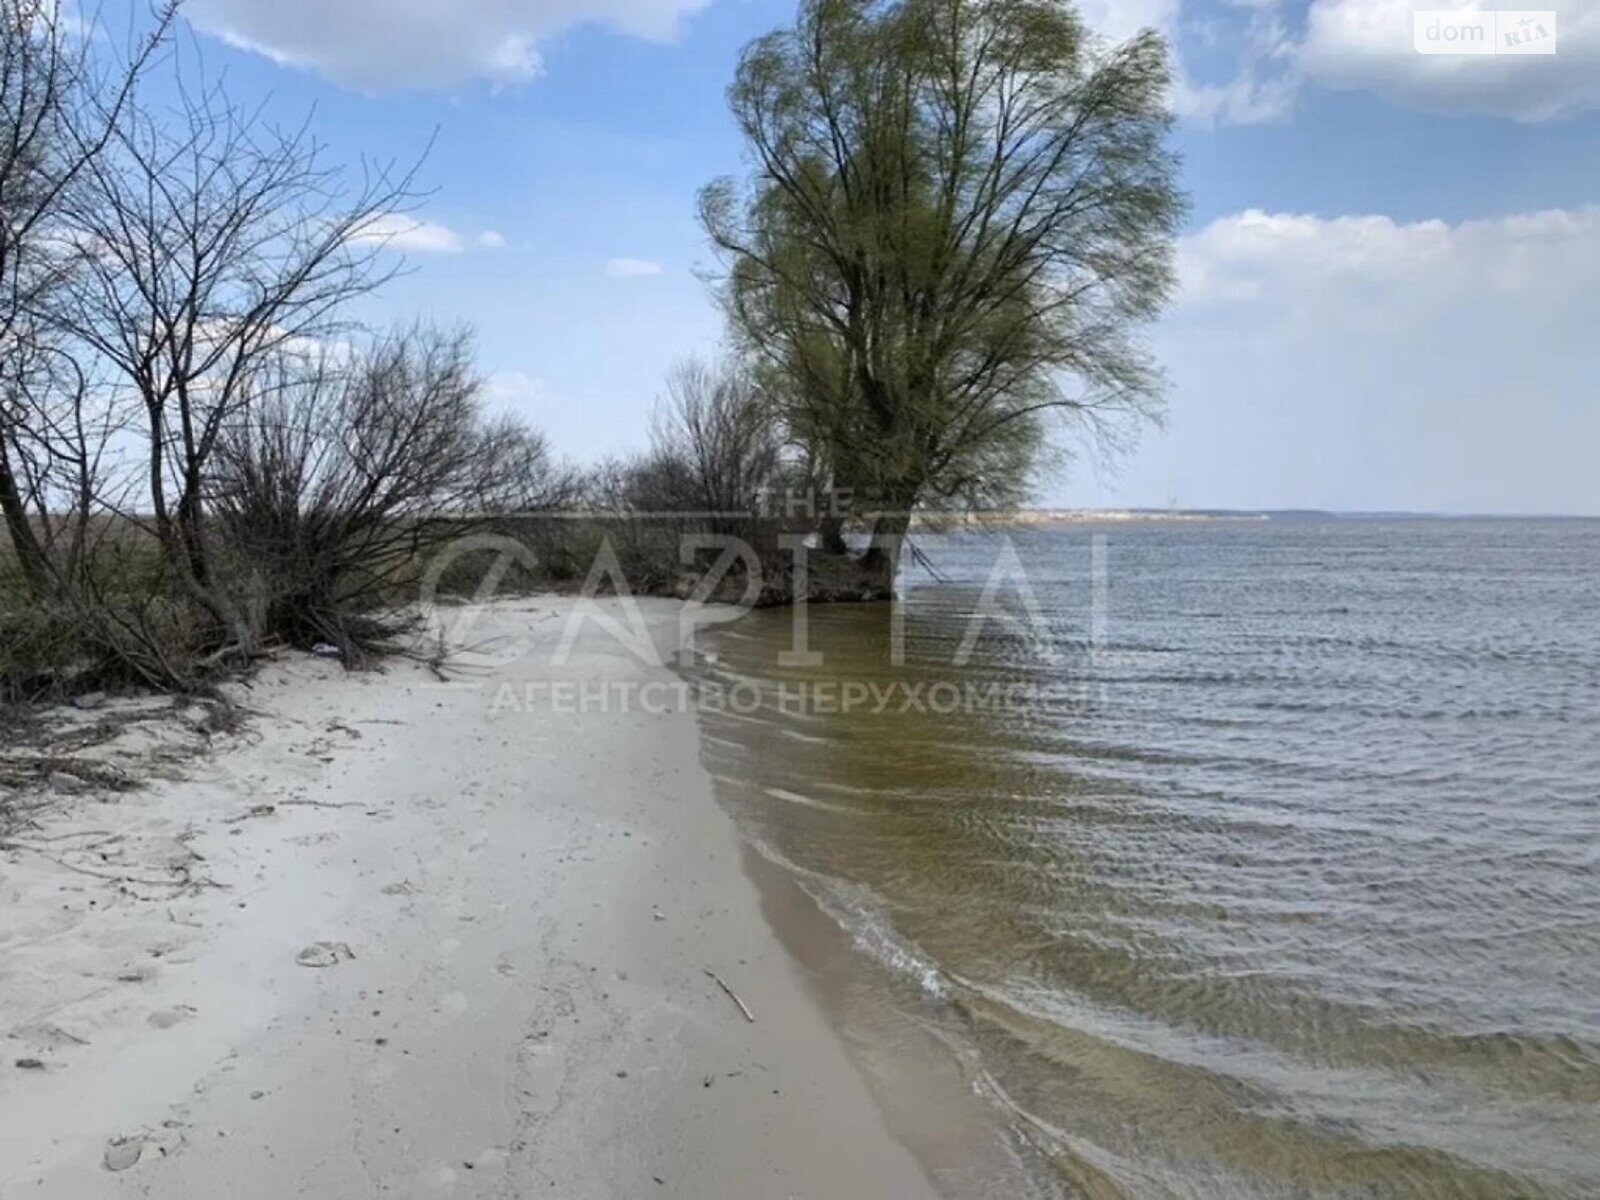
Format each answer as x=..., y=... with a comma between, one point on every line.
x=1300, y=914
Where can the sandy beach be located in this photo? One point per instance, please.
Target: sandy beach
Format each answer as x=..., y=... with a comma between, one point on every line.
x=400, y=936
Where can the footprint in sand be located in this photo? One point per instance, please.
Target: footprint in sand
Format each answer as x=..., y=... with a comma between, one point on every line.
x=166, y=1018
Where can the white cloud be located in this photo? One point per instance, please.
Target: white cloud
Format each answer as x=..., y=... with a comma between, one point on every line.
x=1360, y=361
x=1252, y=97
x=1121, y=19
x=515, y=392
x=1259, y=257
x=631, y=268
x=1265, y=83
x=1361, y=45
x=1367, y=44
x=407, y=234
x=1347, y=44
x=383, y=44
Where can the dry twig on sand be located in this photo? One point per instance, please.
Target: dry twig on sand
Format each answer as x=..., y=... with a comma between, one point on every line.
x=181, y=883
x=29, y=771
x=732, y=995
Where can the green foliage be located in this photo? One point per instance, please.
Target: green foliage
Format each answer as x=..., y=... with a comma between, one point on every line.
x=960, y=213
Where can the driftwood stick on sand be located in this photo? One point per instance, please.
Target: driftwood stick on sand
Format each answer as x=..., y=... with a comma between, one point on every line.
x=732, y=995
x=109, y=877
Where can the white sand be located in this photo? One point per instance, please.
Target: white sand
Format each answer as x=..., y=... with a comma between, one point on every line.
x=532, y=899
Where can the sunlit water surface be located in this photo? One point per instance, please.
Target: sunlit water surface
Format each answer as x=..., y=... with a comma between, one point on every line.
x=1286, y=884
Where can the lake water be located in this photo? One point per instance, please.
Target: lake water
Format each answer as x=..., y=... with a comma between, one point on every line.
x=1274, y=872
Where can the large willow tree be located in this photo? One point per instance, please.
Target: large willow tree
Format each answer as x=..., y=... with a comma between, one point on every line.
x=959, y=215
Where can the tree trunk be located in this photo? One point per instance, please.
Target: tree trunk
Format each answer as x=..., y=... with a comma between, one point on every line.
x=189, y=532
x=24, y=541
x=832, y=535
x=881, y=562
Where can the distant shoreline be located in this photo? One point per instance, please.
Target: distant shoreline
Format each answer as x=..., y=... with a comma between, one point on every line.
x=1084, y=516
x=1098, y=516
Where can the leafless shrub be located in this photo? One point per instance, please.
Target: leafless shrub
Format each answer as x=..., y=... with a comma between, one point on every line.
x=60, y=107
x=344, y=475
x=213, y=245
x=715, y=456
x=716, y=446
x=199, y=453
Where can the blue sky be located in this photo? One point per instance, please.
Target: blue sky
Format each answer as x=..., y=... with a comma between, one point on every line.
x=1391, y=274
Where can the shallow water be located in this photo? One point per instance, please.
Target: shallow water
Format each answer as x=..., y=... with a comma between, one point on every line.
x=1274, y=873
